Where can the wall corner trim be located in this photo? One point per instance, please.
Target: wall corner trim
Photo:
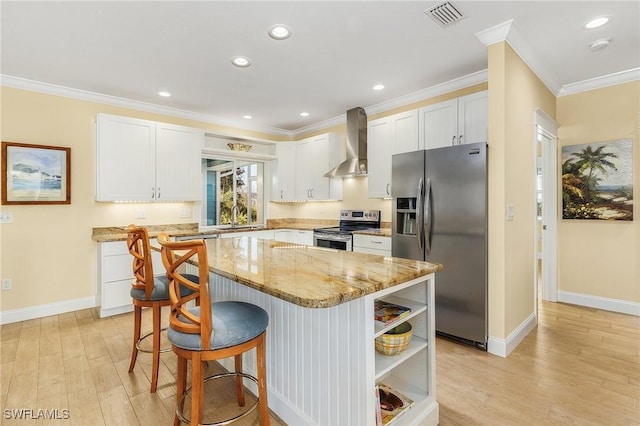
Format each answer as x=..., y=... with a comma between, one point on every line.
x=33, y=312
x=508, y=31
x=503, y=347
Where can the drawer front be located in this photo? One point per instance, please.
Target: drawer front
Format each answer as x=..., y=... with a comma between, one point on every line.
x=113, y=248
x=386, y=253
x=372, y=242
x=115, y=294
x=116, y=268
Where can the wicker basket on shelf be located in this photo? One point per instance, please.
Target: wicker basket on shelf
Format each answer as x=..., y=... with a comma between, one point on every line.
x=395, y=340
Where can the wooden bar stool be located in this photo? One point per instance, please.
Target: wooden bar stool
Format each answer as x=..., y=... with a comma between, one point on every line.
x=147, y=291
x=210, y=332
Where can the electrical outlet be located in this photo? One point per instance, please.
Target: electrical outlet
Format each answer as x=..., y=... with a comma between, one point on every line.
x=6, y=283
x=6, y=217
x=140, y=214
x=185, y=212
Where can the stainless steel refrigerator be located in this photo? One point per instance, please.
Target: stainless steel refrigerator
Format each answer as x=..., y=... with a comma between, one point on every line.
x=440, y=215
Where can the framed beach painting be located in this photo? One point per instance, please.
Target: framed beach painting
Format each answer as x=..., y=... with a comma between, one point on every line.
x=597, y=181
x=35, y=174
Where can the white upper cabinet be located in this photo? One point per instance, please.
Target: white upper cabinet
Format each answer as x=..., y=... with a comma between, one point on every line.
x=387, y=136
x=283, y=172
x=404, y=130
x=141, y=160
x=315, y=156
x=454, y=122
x=473, y=118
x=178, y=152
x=379, y=151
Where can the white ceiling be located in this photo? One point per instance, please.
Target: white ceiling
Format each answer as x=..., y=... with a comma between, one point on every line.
x=338, y=51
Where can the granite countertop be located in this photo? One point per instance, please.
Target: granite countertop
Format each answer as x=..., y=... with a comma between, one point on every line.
x=119, y=233
x=311, y=277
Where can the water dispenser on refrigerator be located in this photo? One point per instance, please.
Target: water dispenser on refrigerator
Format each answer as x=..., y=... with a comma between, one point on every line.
x=406, y=220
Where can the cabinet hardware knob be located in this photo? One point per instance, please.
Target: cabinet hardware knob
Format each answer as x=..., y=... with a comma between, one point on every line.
x=460, y=140
x=453, y=141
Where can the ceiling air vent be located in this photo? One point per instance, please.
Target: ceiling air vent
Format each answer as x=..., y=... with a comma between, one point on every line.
x=445, y=14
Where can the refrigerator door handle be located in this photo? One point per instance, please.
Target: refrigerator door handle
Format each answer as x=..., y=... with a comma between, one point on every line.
x=420, y=214
x=427, y=217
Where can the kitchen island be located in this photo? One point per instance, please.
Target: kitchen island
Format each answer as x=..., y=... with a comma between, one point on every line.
x=322, y=366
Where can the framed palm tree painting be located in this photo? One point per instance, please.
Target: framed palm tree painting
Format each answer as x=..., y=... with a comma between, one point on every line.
x=597, y=181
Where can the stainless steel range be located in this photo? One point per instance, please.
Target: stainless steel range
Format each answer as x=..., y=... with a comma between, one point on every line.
x=341, y=237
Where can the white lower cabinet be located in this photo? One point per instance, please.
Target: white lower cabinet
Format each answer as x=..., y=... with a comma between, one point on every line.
x=294, y=236
x=115, y=275
x=266, y=234
x=372, y=244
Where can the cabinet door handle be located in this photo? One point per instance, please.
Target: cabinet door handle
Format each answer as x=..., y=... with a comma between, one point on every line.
x=158, y=193
x=453, y=141
x=281, y=196
x=388, y=193
x=376, y=242
x=153, y=192
x=460, y=140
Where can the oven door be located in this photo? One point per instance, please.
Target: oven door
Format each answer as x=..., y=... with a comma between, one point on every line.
x=334, y=241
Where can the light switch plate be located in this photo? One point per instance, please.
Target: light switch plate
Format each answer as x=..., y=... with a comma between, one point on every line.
x=511, y=212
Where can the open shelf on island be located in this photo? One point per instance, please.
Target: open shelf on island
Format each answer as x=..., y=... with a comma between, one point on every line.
x=385, y=363
x=416, y=309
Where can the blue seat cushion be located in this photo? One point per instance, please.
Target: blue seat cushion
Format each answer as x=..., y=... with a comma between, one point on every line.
x=233, y=323
x=161, y=288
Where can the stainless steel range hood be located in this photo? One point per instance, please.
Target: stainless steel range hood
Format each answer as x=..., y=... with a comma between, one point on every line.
x=356, y=162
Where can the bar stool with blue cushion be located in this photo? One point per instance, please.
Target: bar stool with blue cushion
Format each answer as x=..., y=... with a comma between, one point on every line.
x=147, y=291
x=209, y=332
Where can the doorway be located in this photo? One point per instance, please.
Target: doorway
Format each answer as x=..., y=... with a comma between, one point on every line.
x=546, y=226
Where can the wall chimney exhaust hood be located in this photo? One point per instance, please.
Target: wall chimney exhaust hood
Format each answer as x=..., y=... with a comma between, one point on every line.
x=356, y=162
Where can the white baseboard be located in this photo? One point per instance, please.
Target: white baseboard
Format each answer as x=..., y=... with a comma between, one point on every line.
x=503, y=347
x=15, y=315
x=604, y=303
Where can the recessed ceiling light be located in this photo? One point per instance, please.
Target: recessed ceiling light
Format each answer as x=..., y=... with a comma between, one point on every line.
x=378, y=87
x=596, y=22
x=240, y=61
x=600, y=44
x=164, y=94
x=279, y=32
x=247, y=117
x=304, y=114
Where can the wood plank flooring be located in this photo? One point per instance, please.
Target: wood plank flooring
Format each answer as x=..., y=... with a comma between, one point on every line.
x=580, y=366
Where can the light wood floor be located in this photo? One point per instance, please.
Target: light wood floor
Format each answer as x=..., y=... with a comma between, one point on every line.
x=580, y=366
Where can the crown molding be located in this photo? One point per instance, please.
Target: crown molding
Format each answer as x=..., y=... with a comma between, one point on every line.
x=495, y=34
x=430, y=92
x=508, y=31
x=84, y=95
x=600, y=82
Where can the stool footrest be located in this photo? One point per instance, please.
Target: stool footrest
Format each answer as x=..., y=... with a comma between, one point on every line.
x=149, y=351
x=222, y=422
